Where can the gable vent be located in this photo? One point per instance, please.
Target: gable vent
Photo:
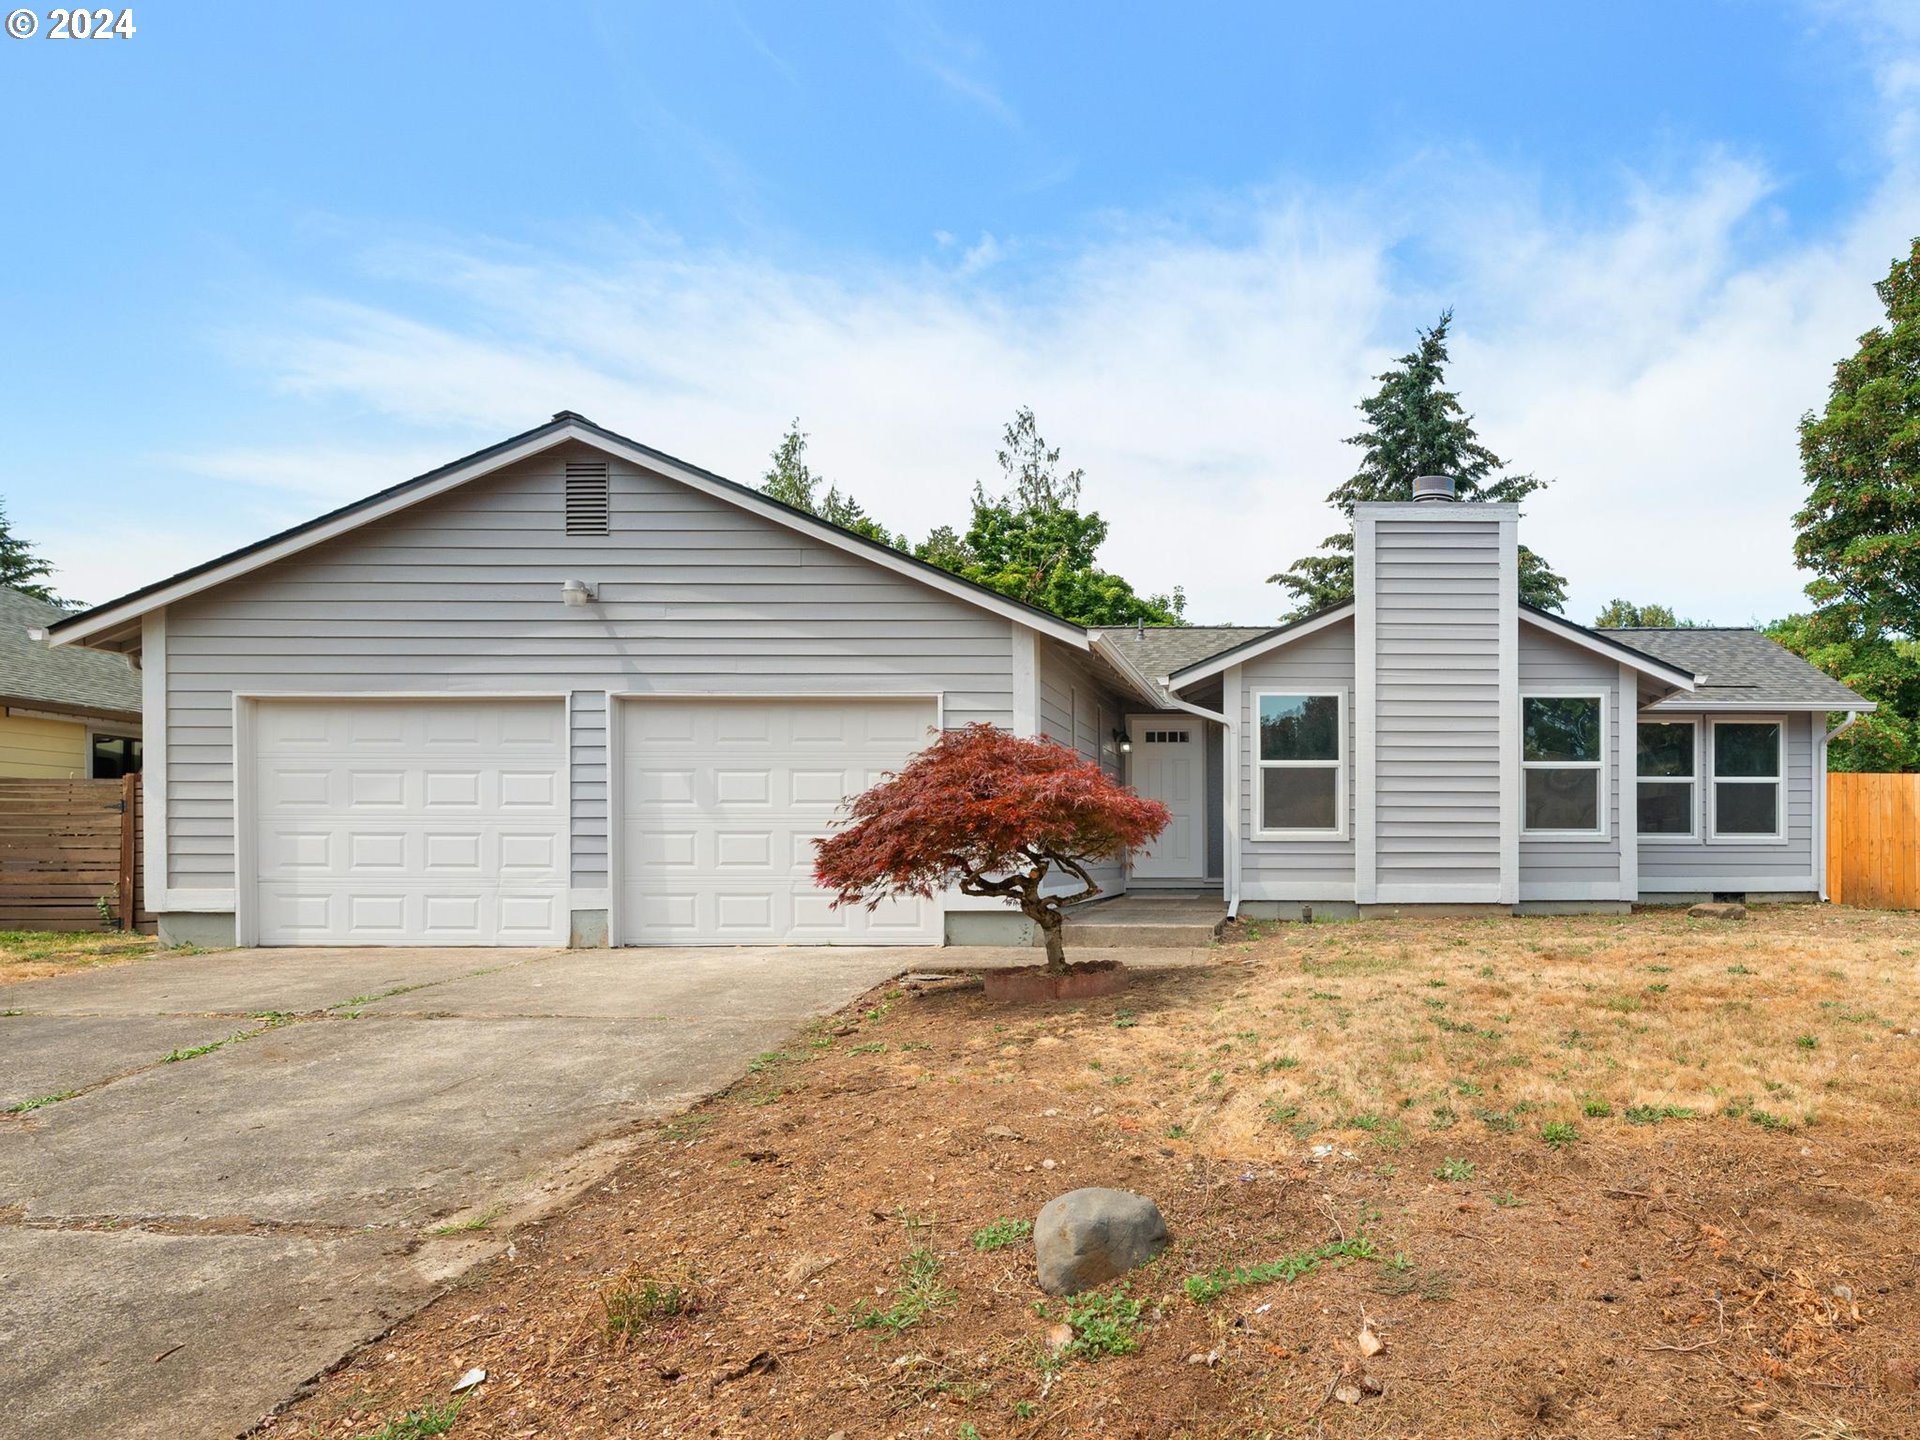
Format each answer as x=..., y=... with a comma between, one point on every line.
x=588, y=506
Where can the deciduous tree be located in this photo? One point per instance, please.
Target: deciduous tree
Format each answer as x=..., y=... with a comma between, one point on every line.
x=1033, y=543
x=990, y=814
x=1859, y=531
x=791, y=481
x=1625, y=615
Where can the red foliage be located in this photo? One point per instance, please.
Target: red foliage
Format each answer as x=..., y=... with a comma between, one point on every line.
x=992, y=814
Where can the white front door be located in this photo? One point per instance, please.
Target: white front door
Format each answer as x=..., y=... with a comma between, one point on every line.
x=721, y=801
x=1170, y=765
x=410, y=822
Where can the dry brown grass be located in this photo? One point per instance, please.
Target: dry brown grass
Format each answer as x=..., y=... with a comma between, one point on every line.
x=1705, y=1277
x=36, y=954
x=1365, y=1032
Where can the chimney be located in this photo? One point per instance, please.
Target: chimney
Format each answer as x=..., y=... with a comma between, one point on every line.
x=1436, y=699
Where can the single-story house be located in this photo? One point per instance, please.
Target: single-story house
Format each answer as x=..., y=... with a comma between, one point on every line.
x=571, y=689
x=64, y=714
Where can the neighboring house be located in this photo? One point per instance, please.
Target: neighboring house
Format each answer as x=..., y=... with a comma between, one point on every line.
x=64, y=714
x=572, y=689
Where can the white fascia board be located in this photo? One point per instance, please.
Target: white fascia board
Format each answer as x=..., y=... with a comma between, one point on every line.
x=1687, y=705
x=1142, y=688
x=113, y=616
x=1240, y=655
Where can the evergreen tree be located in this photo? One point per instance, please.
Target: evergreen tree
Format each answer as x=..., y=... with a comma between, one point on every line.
x=22, y=568
x=1859, y=531
x=791, y=481
x=1034, y=544
x=1416, y=426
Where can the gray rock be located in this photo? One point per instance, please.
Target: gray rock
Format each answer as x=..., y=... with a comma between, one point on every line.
x=1087, y=1237
x=1717, y=912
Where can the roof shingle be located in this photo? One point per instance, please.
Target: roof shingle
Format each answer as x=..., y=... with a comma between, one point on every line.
x=30, y=671
x=1740, y=667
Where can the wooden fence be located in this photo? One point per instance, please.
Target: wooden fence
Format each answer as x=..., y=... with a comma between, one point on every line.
x=67, y=845
x=1873, y=841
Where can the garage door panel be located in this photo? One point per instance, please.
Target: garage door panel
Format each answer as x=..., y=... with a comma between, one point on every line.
x=722, y=802
x=411, y=822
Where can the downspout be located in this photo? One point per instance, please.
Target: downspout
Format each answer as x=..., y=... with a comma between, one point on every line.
x=1162, y=694
x=1820, y=794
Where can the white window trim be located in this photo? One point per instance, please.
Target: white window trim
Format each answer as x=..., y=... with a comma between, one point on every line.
x=1778, y=781
x=1697, y=781
x=1337, y=765
x=1603, y=806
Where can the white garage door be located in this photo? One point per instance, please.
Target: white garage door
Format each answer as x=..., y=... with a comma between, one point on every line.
x=722, y=800
x=410, y=822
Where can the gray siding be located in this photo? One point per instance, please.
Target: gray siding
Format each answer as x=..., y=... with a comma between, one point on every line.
x=1295, y=869
x=587, y=716
x=1705, y=865
x=1079, y=708
x=1574, y=869
x=1438, y=626
x=462, y=595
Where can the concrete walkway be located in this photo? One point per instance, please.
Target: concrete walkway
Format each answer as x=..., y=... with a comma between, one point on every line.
x=183, y=1244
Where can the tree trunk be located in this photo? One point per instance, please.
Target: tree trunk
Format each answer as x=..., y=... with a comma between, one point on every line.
x=1050, y=930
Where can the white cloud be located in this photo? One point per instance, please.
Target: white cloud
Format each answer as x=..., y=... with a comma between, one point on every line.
x=1652, y=362
x=1647, y=364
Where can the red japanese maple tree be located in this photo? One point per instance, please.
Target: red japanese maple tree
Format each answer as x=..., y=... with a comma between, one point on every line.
x=991, y=814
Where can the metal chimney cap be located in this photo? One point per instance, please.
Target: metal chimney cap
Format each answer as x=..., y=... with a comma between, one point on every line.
x=1434, y=487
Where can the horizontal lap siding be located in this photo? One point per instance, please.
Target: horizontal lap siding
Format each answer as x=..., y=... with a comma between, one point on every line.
x=1321, y=662
x=1551, y=666
x=1712, y=862
x=1087, y=727
x=1437, y=630
x=462, y=595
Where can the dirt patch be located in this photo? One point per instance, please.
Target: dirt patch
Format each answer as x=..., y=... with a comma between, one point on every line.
x=36, y=954
x=1604, y=1187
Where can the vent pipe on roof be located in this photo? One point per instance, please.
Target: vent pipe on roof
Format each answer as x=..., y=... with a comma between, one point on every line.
x=1434, y=487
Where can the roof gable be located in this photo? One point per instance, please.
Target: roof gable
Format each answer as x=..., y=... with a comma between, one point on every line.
x=119, y=618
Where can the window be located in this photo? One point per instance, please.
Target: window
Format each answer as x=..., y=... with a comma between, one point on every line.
x=1164, y=737
x=1668, y=776
x=114, y=756
x=1302, y=787
x=1747, y=773
x=1563, y=759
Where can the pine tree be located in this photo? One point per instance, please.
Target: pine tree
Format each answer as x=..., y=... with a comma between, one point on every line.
x=22, y=568
x=1416, y=426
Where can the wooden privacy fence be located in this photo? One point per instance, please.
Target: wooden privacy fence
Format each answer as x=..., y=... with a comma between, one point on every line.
x=1873, y=841
x=65, y=846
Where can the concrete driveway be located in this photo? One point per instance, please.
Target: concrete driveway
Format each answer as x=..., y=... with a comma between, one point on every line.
x=184, y=1242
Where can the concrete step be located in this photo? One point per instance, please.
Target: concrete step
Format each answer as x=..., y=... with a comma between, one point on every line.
x=1138, y=934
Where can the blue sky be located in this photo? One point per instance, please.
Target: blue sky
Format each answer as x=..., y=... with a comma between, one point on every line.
x=260, y=259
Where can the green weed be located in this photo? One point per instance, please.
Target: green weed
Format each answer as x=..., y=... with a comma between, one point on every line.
x=1201, y=1289
x=1001, y=1233
x=1559, y=1134
x=418, y=1424
x=22, y=1107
